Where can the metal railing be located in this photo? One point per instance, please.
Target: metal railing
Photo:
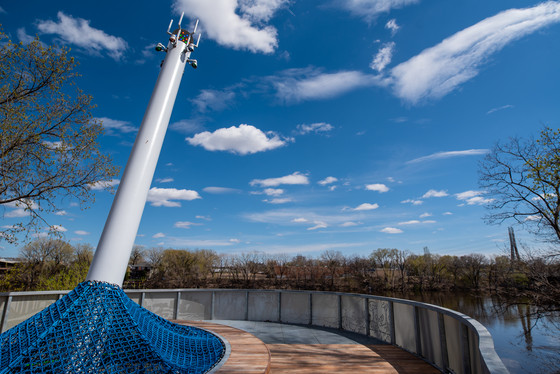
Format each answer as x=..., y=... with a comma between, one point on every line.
x=451, y=341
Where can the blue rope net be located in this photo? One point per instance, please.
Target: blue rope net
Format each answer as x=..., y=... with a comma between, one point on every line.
x=96, y=328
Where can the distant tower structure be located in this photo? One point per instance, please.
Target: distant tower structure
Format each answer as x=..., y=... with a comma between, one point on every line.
x=514, y=253
x=115, y=245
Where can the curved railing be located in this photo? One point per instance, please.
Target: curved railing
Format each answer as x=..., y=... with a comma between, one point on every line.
x=451, y=341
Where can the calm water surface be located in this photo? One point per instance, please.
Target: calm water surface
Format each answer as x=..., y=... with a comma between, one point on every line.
x=526, y=339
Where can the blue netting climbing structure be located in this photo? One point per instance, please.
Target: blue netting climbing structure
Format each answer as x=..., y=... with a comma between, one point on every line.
x=97, y=328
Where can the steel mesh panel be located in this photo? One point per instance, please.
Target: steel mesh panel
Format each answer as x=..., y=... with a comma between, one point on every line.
x=96, y=328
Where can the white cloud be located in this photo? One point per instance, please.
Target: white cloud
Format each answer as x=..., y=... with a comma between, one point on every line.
x=320, y=127
x=185, y=224
x=499, y=108
x=295, y=85
x=424, y=215
x=473, y=197
x=447, y=214
x=17, y=213
x=392, y=25
x=416, y=222
x=101, y=185
x=300, y=220
x=379, y=187
x=366, y=206
x=349, y=224
x=158, y=235
x=112, y=125
x=81, y=232
x=61, y=213
x=2, y=10
x=77, y=31
x=370, y=9
x=283, y=200
x=318, y=225
x=328, y=180
x=533, y=218
x=220, y=190
x=214, y=100
x=294, y=178
x=391, y=230
x=383, y=57
x=230, y=29
x=438, y=70
x=165, y=180
x=273, y=191
x=242, y=140
x=442, y=155
x=23, y=36
x=412, y=222
x=186, y=126
x=58, y=228
x=468, y=194
x=165, y=196
x=412, y=201
x=435, y=193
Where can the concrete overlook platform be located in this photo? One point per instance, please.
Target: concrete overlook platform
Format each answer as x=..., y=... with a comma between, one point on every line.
x=265, y=347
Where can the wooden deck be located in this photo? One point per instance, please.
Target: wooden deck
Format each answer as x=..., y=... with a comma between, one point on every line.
x=251, y=355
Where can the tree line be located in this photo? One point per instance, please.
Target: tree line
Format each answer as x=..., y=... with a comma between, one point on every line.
x=53, y=264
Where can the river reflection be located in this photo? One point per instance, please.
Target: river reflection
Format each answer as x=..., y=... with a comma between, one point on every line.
x=526, y=337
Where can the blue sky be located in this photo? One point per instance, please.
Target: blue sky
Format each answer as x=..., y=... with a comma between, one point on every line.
x=311, y=125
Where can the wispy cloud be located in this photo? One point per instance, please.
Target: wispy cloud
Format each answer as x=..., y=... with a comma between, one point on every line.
x=294, y=178
x=102, y=185
x=438, y=70
x=112, y=126
x=295, y=85
x=370, y=9
x=328, y=180
x=279, y=200
x=435, y=193
x=214, y=100
x=412, y=201
x=499, y=108
x=318, y=128
x=187, y=126
x=166, y=196
x=242, y=140
x=77, y=31
x=473, y=197
x=392, y=25
x=391, y=230
x=220, y=190
x=185, y=224
x=383, y=57
x=81, y=232
x=23, y=36
x=236, y=24
x=449, y=154
x=366, y=206
x=164, y=180
x=318, y=225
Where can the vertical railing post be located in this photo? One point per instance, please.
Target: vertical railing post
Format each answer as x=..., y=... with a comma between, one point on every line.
x=177, y=301
x=310, y=308
x=340, y=312
x=279, y=306
x=368, y=321
x=392, y=323
x=5, y=314
x=443, y=342
x=416, y=314
x=465, y=351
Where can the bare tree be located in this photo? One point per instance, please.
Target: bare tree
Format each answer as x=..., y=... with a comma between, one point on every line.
x=48, y=147
x=522, y=178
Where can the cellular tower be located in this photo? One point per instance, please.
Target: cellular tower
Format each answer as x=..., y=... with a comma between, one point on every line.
x=97, y=328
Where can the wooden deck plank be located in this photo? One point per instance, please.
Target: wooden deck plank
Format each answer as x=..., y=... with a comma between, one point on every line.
x=250, y=355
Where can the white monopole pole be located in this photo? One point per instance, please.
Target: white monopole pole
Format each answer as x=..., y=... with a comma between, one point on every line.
x=115, y=245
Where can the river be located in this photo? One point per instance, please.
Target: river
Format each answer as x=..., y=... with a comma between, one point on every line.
x=525, y=337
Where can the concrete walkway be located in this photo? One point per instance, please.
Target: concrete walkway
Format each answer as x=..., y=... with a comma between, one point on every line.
x=278, y=333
